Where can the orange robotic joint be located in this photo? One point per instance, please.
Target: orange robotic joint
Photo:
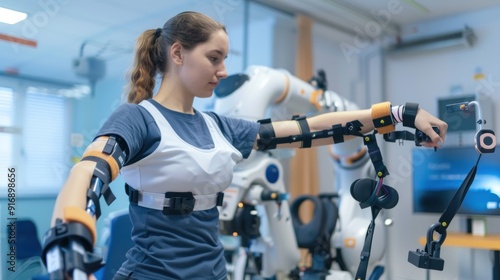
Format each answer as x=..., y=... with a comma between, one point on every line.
x=315, y=97
x=285, y=91
x=349, y=159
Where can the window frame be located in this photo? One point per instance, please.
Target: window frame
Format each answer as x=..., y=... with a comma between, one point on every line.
x=49, y=188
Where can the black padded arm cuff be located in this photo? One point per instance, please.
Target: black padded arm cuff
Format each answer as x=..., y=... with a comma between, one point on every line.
x=266, y=135
x=304, y=131
x=409, y=114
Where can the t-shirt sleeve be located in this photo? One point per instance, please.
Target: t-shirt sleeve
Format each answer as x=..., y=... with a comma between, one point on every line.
x=240, y=133
x=130, y=123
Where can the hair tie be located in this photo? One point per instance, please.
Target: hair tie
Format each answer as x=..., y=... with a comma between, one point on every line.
x=157, y=33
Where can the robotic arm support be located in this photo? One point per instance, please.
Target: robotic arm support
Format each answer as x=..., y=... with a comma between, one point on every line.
x=259, y=93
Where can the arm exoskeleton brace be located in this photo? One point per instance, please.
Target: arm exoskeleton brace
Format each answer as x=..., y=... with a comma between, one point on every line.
x=268, y=140
x=68, y=245
x=108, y=164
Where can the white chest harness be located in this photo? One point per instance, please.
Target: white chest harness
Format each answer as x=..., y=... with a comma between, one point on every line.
x=178, y=175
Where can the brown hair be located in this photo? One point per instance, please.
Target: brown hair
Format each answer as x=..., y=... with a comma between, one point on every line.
x=187, y=28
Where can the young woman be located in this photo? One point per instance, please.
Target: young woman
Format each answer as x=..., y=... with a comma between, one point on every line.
x=169, y=152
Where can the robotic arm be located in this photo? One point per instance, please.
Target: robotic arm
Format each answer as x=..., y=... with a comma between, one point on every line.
x=259, y=93
x=263, y=92
x=268, y=234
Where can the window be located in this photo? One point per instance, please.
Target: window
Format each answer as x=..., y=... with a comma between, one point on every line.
x=34, y=131
x=6, y=128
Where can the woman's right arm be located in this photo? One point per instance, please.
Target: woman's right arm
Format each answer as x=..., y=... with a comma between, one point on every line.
x=74, y=190
x=128, y=125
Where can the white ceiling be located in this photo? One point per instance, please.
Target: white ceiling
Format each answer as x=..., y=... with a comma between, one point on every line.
x=109, y=27
x=423, y=10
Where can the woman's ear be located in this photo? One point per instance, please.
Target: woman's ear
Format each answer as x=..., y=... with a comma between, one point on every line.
x=176, y=53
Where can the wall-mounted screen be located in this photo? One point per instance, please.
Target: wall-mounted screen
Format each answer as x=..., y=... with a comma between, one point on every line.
x=438, y=175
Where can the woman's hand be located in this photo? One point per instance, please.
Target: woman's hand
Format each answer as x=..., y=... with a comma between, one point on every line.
x=425, y=121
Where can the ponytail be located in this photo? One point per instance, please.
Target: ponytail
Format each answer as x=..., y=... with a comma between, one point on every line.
x=150, y=58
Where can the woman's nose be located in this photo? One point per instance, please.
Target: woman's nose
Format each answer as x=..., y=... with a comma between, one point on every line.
x=221, y=74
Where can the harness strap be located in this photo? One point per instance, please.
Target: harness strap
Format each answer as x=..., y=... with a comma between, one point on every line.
x=175, y=202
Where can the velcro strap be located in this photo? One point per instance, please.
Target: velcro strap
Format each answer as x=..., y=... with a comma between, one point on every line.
x=382, y=117
x=175, y=202
x=102, y=171
x=409, y=114
x=113, y=166
x=266, y=135
x=108, y=195
x=304, y=131
x=76, y=214
x=338, y=133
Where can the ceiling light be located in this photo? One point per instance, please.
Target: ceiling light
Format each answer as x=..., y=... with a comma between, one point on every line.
x=10, y=16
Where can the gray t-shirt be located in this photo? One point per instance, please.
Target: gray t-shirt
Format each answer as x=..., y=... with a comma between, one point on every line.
x=174, y=246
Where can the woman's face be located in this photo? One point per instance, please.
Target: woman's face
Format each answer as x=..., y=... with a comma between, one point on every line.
x=203, y=66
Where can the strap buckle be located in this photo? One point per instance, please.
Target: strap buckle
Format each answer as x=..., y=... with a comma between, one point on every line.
x=174, y=203
x=180, y=203
x=220, y=199
x=133, y=195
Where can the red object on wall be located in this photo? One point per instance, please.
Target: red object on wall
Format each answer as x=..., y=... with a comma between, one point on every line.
x=18, y=40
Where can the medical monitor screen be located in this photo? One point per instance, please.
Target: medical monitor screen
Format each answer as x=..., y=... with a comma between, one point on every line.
x=438, y=175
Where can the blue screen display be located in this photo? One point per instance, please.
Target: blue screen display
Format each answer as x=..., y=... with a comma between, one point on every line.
x=438, y=175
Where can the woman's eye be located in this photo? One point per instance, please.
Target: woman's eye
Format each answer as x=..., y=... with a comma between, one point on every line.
x=214, y=59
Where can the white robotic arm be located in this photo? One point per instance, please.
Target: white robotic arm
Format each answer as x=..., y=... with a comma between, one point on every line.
x=262, y=92
x=259, y=93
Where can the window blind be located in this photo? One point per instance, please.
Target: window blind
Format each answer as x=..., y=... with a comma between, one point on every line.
x=34, y=138
x=44, y=140
x=6, y=122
